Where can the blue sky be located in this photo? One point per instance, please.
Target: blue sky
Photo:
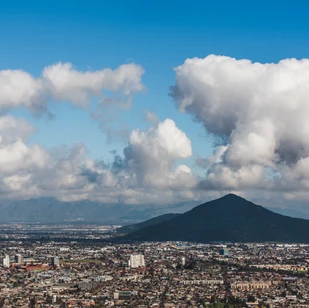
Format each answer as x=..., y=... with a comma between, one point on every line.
x=159, y=36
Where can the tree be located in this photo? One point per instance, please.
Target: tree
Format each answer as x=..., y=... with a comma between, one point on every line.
x=251, y=298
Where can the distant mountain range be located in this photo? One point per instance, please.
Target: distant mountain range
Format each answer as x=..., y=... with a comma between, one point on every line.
x=51, y=210
x=229, y=219
x=150, y=222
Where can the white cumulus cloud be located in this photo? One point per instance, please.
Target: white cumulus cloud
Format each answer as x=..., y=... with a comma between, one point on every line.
x=15, y=154
x=62, y=82
x=151, y=154
x=258, y=111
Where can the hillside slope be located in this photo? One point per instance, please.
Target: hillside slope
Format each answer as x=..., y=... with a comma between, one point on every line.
x=150, y=222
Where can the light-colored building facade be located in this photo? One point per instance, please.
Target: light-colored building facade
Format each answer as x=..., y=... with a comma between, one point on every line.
x=6, y=261
x=55, y=261
x=19, y=259
x=137, y=261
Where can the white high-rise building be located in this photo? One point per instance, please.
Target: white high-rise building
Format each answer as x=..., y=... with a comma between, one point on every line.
x=19, y=259
x=55, y=261
x=137, y=261
x=6, y=261
x=183, y=261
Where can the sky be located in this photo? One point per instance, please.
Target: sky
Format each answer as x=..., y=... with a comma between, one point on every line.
x=161, y=102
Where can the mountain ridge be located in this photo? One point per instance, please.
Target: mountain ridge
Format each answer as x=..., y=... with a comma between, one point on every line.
x=52, y=210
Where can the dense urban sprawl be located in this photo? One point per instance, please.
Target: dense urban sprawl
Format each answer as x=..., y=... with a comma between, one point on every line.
x=171, y=274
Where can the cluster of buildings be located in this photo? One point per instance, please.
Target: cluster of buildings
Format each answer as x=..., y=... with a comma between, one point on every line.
x=50, y=232
x=18, y=260
x=6, y=261
x=71, y=273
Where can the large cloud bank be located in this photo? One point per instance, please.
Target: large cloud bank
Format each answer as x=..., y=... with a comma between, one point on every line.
x=144, y=173
x=258, y=112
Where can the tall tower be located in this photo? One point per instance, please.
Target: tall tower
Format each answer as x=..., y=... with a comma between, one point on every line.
x=55, y=261
x=19, y=259
x=6, y=261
